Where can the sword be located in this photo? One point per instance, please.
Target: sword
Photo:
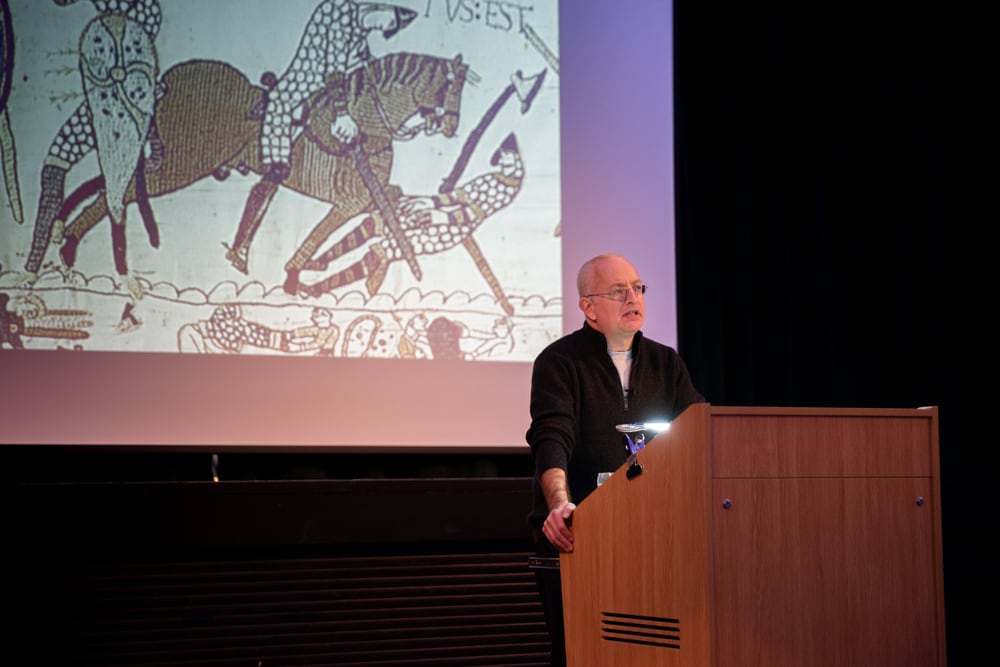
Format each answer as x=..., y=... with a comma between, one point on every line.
x=364, y=168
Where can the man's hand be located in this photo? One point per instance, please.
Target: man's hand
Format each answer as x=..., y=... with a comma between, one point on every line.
x=409, y=204
x=556, y=526
x=431, y=217
x=344, y=129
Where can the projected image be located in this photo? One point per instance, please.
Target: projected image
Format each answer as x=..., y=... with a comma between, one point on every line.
x=336, y=178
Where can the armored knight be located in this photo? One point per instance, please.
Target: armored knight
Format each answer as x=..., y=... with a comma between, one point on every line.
x=118, y=65
x=335, y=41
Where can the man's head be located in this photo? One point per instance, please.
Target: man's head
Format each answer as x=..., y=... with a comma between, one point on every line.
x=611, y=298
x=507, y=156
x=322, y=316
x=387, y=18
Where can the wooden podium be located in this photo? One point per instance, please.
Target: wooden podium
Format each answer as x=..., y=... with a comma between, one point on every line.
x=771, y=537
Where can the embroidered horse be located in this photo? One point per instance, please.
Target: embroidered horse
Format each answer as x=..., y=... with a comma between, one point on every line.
x=208, y=123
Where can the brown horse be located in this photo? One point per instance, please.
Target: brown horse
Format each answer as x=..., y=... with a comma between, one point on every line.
x=208, y=123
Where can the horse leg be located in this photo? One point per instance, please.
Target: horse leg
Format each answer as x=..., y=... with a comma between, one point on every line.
x=253, y=215
x=84, y=222
x=331, y=222
x=49, y=201
x=354, y=239
x=69, y=242
x=142, y=201
x=77, y=197
x=118, y=247
x=372, y=267
x=131, y=283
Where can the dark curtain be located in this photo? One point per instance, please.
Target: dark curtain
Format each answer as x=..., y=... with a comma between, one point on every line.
x=818, y=231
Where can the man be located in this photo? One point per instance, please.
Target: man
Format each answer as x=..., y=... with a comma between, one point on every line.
x=119, y=67
x=335, y=41
x=582, y=385
x=433, y=223
x=11, y=325
x=321, y=336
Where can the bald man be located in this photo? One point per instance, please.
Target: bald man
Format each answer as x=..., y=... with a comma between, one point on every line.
x=583, y=385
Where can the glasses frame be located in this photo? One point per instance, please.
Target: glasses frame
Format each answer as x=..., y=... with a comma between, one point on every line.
x=639, y=290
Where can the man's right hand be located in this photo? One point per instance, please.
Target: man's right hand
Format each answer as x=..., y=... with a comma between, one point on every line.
x=557, y=529
x=344, y=129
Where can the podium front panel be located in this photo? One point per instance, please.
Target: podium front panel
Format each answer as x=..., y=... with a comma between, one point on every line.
x=765, y=536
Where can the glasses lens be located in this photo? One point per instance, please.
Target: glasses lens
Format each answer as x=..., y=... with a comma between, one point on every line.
x=638, y=289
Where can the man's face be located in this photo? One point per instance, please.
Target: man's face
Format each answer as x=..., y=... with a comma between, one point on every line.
x=612, y=317
x=507, y=161
x=321, y=317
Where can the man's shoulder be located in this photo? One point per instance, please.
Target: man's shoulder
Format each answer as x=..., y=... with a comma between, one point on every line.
x=657, y=353
x=650, y=344
x=558, y=347
x=570, y=343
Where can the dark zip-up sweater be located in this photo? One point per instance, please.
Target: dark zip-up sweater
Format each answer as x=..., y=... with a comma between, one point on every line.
x=576, y=401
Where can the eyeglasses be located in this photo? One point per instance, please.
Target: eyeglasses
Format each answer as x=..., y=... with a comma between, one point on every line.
x=621, y=293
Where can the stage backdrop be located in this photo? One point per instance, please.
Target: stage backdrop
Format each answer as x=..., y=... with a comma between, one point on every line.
x=316, y=223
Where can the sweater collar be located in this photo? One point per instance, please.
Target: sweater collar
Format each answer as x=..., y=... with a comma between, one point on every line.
x=599, y=341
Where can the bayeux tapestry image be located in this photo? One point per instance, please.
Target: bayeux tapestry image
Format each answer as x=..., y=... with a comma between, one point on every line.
x=337, y=178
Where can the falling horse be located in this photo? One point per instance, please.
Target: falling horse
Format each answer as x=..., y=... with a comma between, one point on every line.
x=208, y=123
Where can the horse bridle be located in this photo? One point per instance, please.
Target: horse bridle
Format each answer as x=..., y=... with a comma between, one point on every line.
x=439, y=112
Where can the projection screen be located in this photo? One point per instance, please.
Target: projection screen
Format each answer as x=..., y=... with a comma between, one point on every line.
x=317, y=223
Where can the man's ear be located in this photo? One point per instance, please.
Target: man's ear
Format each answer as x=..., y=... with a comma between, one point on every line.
x=587, y=306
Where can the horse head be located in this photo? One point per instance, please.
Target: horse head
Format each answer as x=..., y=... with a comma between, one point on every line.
x=394, y=97
x=440, y=100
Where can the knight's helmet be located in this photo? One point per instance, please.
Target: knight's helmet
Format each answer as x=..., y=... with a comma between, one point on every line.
x=404, y=15
x=509, y=145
